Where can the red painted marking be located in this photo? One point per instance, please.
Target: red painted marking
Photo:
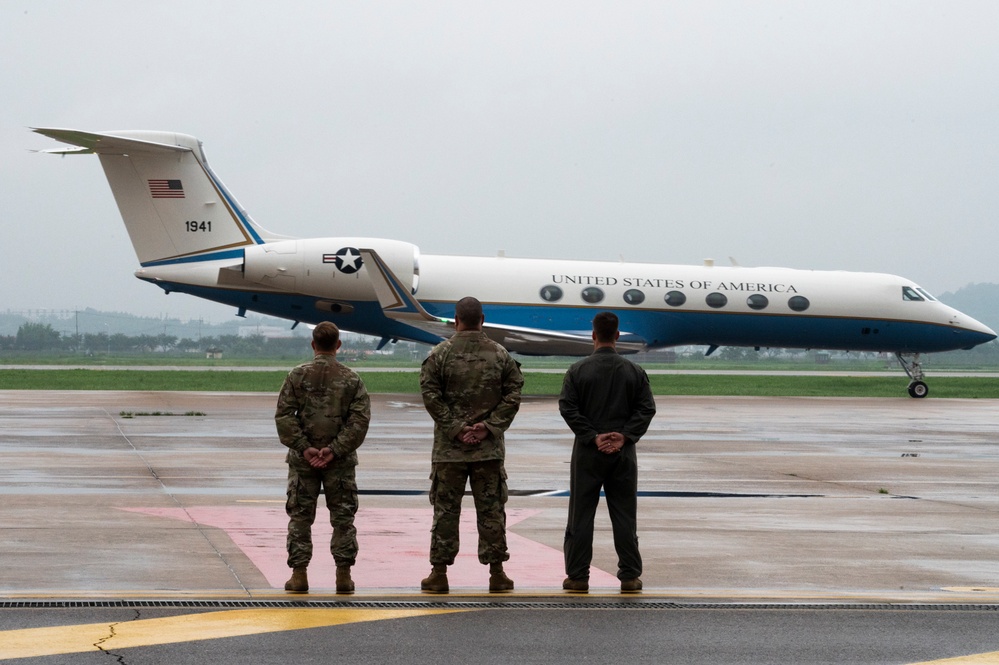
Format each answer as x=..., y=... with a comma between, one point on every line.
x=394, y=547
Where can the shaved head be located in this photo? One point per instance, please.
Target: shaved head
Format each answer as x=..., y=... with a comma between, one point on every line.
x=468, y=312
x=605, y=327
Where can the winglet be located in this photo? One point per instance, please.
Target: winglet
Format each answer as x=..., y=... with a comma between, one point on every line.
x=393, y=295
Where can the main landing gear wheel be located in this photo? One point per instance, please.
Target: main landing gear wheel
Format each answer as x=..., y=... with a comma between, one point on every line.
x=910, y=363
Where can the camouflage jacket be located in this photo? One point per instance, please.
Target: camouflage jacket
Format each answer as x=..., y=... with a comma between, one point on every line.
x=466, y=380
x=323, y=404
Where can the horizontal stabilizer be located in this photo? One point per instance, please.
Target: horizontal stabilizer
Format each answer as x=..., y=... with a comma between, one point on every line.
x=109, y=143
x=66, y=151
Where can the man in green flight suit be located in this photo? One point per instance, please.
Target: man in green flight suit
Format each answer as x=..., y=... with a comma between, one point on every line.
x=322, y=417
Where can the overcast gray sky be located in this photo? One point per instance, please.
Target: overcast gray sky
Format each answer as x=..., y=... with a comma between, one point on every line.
x=828, y=135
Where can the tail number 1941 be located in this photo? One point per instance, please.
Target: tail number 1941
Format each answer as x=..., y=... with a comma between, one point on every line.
x=199, y=227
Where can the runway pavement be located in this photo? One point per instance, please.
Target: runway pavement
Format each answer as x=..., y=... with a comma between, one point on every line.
x=792, y=505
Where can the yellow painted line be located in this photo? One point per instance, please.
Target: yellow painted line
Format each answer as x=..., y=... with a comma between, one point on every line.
x=977, y=659
x=56, y=640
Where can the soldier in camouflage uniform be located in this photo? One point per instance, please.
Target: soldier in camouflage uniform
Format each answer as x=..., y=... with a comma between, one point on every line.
x=322, y=417
x=471, y=388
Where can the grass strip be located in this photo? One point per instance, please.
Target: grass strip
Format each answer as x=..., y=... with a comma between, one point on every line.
x=536, y=383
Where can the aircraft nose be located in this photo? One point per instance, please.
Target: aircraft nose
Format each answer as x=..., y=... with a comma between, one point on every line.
x=976, y=331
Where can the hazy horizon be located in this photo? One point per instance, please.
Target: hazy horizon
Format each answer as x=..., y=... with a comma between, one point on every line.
x=832, y=136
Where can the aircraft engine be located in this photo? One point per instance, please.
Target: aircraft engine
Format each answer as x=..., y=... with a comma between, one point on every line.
x=328, y=267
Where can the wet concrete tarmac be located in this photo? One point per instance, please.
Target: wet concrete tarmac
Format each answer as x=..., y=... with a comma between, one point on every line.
x=741, y=498
x=150, y=527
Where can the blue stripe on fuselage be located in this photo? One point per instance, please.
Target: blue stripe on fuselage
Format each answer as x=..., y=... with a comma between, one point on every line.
x=664, y=328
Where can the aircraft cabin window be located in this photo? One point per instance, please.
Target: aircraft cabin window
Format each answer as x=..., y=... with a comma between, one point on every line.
x=634, y=297
x=798, y=303
x=551, y=293
x=757, y=301
x=675, y=298
x=716, y=300
x=909, y=293
x=593, y=295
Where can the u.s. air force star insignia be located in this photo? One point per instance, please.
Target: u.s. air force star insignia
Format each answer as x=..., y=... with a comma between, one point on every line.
x=348, y=260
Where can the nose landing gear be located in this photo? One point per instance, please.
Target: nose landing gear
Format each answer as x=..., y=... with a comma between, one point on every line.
x=910, y=363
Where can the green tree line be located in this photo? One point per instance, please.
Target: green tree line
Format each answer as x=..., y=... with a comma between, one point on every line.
x=42, y=338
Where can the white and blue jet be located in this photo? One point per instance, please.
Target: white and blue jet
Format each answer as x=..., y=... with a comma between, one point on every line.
x=192, y=236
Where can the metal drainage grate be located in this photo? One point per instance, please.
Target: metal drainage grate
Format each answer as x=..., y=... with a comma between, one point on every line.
x=491, y=605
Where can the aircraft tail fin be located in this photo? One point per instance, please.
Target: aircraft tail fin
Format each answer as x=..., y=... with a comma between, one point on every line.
x=175, y=209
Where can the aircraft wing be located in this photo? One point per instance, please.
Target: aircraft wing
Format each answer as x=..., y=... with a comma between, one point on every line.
x=541, y=342
x=536, y=341
x=399, y=304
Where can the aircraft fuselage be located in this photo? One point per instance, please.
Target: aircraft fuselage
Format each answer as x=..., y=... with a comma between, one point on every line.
x=658, y=305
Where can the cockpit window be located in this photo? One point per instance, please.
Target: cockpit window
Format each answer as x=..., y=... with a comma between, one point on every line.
x=909, y=293
x=926, y=293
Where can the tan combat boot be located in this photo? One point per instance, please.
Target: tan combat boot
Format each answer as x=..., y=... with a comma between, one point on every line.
x=299, y=582
x=437, y=581
x=343, y=582
x=498, y=581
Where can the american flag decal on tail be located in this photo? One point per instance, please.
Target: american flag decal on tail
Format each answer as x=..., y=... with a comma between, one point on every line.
x=166, y=189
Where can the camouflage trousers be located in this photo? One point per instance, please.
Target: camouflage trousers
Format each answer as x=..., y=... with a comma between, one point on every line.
x=447, y=487
x=340, y=488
